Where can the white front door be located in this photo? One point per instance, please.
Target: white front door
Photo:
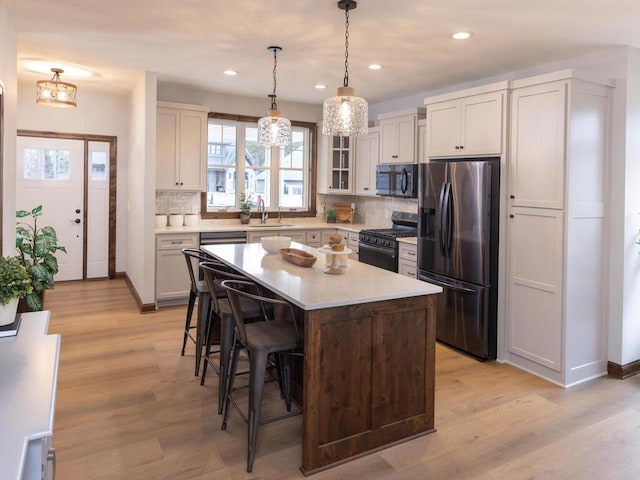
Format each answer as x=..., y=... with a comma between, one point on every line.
x=50, y=172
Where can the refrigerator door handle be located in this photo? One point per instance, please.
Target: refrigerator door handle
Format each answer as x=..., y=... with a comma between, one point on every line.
x=456, y=288
x=449, y=199
x=442, y=217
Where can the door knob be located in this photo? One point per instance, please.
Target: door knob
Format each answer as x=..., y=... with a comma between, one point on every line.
x=77, y=220
x=77, y=210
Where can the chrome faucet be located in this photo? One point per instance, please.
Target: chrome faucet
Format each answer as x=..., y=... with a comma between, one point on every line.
x=261, y=210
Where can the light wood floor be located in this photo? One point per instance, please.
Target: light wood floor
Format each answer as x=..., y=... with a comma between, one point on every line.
x=129, y=407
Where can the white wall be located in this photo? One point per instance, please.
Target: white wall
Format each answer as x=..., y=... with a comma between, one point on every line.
x=8, y=81
x=624, y=332
x=97, y=114
x=238, y=105
x=141, y=187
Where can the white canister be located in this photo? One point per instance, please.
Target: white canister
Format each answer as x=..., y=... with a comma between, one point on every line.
x=191, y=219
x=176, y=220
x=161, y=220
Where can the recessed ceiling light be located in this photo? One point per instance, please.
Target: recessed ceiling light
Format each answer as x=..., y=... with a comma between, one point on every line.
x=375, y=66
x=320, y=86
x=230, y=72
x=461, y=35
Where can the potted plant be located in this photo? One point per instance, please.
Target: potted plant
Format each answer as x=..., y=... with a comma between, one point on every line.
x=331, y=215
x=15, y=283
x=37, y=247
x=245, y=209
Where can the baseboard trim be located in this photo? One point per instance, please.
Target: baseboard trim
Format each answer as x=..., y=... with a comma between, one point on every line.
x=142, y=307
x=623, y=371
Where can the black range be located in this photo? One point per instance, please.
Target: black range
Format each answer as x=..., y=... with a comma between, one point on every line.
x=379, y=246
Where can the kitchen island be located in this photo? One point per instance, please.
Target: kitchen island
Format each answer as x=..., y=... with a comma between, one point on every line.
x=369, y=351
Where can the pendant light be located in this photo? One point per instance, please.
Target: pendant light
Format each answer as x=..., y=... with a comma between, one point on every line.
x=274, y=130
x=345, y=114
x=55, y=93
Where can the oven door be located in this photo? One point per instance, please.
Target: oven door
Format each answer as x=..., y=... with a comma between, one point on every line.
x=381, y=257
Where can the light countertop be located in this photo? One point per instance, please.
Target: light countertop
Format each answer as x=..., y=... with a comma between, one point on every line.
x=311, y=288
x=409, y=240
x=28, y=376
x=256, y=226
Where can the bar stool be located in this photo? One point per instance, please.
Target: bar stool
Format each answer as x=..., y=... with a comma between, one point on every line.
x=222, y=315
x=279, y=336
x=199, y=290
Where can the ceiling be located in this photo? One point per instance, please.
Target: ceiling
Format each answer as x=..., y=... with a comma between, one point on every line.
x=192, y=41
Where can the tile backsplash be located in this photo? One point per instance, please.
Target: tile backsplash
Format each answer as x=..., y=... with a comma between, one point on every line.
x=177, y=202
x=373, y=211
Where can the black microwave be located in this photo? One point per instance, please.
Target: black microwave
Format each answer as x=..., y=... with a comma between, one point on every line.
x=397, y=180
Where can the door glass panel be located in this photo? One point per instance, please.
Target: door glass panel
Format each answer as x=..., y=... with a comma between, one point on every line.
x=46, y=164
x=99, y=161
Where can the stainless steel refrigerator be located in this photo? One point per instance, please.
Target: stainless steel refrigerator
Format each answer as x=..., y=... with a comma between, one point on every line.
x=458, y=249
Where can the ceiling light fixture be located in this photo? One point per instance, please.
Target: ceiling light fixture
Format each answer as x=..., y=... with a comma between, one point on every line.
x=345, y=114
x=320, y=86
x=230, y=72
x=375, y=66
x=56, y=93
x=274, y=130
x=461, y=35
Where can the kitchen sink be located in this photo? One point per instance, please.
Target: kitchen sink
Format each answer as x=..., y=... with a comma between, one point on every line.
x=276, y=225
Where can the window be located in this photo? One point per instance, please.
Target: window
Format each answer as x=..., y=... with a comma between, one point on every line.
x=236, y=164
x=46, y=164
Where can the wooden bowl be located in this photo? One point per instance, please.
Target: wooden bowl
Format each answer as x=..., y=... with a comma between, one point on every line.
x=298, y=257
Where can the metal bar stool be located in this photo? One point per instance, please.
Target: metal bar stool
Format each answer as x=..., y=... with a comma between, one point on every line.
x=279, y=336
x=222, y=314
x=198, y=290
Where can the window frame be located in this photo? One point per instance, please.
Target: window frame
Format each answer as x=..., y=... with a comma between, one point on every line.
x=312, y=171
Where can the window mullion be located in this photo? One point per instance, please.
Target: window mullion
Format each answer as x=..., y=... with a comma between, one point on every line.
x=240, y=162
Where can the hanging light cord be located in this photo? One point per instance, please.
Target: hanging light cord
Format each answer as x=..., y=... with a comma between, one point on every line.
x=346, y=47
x=274, y=105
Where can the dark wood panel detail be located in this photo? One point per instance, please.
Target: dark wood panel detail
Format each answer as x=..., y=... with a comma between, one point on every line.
x=142, y=307
x=385, y=348
x=345, y=376
x=403, y=371
x=623, y=371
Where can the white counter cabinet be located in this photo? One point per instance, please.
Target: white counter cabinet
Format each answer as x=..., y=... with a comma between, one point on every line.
x=407, y=258
x=557, y=226
x=28, y=381
x=172, y=278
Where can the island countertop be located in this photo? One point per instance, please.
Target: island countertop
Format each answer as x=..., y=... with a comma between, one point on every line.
x=309, y=287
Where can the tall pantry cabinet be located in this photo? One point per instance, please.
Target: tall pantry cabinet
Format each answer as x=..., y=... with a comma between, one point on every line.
x=557, y=228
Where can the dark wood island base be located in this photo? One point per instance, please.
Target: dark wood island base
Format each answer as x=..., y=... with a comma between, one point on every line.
x=369, y=378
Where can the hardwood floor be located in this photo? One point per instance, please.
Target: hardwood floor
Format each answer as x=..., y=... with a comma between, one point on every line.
x=129, y=407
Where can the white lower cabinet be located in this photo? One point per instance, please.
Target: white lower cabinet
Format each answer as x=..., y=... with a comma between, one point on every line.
x=534, y=296
x=314, y=238
x=172, y=277
x=407, y=259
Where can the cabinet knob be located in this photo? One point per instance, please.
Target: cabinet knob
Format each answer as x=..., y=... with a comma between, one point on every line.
x=366, y=188
x=176, y=183
x=181, y=183
x=511, y=215
x=461, y=147
x=512, y=196
x=394, y=156
x=457, y=147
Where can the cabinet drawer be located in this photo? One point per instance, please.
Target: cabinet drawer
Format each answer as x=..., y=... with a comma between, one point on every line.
x=354, y=239
x=314, y=238
x=408, y=252
x=177, y=241
x=407, y=268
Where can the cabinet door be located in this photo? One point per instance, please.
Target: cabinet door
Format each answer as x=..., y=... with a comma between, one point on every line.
x=538, y=129
x=172, y=278
x=406, y=139
x=534, y=297
x=193, y=150
x=366, y=160
x=325, y=236
x=388, y=139
x=167, y=144
x=340, y=165
x=481, y=132
x=422, y=143
x=443, y=129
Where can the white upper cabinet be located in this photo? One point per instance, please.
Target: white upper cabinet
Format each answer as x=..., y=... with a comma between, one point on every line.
x=538, y=137
x=181, y=147
x=367, y=154
x=335, y=163
x=467, y=126
x=399, y=136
